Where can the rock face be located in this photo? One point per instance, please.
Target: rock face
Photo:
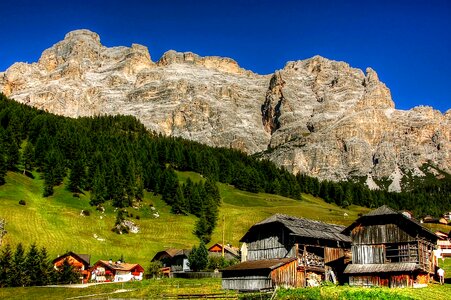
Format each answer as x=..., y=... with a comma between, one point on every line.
x=315, y=116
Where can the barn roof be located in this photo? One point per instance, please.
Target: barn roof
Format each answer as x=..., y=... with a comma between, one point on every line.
x=380, y=268
x=171, y=253
x=385, y=211
x=306, y=228
x=265, y=264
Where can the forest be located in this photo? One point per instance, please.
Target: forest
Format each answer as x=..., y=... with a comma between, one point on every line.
x=116, y=158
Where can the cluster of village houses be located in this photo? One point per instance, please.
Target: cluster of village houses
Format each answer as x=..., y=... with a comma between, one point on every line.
x=382, y=248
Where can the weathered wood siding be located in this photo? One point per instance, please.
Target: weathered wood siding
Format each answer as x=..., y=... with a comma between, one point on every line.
x=286, y=275
x=402, y=280
x=380, y=234
x=275, y=243
x=247, y=283
x=368, y=280
x=368, y=254
x=333, y=254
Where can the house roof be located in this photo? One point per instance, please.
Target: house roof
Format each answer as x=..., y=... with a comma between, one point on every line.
x=380, y=268
x=84, y=258
x=265, y=264
x=306, y=228
x=229, y=249
x=119, y=267
x=383, y=211
x=172, y=252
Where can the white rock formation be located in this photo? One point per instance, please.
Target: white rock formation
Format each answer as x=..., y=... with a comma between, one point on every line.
x=315, y=116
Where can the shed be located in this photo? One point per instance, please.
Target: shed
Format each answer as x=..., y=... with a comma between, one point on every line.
x=390, y=249
x=261, y=275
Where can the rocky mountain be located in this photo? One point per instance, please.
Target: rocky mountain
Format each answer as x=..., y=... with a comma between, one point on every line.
x=315, y=116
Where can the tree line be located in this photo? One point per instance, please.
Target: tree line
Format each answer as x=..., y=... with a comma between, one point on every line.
x=116, y=159
x=32, y=268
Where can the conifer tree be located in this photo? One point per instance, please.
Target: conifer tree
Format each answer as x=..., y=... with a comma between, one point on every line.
x=6, y=263
x=67, y=274
x=46, y=270
x=198, y=258
x=201, y=229
x=32, y=265
x=77, y=176
x=28, y=157
x=3, y=165
x=18, y=275
x=180, y=205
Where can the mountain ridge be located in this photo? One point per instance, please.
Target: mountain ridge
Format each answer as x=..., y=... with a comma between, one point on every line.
x=316, y=116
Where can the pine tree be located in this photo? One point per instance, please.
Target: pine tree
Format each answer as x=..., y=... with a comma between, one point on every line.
x=67, y=273
x=28, y=157
x=6, y=263
x=201, y=229
x=198, y=258
x=195, y=204
x=32, y=265
x=18, y=275
x=3, y=165
x=99, y=190
x=46, y=270
x=169, y=185
x=211, y=189
x=180, y=205
x=77, y=176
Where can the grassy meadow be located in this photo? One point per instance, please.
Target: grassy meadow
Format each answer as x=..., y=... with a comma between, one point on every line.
x=56, y=222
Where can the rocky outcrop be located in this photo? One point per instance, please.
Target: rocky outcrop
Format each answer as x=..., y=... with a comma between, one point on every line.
x=315, y=116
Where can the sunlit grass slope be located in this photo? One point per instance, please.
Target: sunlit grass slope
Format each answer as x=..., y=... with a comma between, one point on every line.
x=56, y=222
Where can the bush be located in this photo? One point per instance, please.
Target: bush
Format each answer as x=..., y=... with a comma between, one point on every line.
x=22, y=202
x=137, y=217
x=154, y=269
x=76, y=195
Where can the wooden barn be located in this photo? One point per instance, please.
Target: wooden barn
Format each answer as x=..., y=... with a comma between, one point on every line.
x=80, y=262
x=318, y=251
x=176, y=259
x=230, y=252
x=390, y=249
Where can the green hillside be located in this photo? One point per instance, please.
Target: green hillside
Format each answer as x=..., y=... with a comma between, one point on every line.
x=56, y=222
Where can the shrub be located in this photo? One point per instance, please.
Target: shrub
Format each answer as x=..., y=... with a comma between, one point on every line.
x=137, y=217
x=154, y=269
x=22, y=202
x=86, y=213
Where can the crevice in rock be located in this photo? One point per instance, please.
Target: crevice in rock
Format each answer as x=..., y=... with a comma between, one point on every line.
x=271, y=109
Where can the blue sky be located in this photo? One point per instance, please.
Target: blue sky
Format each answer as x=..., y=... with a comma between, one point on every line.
x=407, y=42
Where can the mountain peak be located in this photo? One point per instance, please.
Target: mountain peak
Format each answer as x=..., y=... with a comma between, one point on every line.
x=82, y=34
x=316, y=116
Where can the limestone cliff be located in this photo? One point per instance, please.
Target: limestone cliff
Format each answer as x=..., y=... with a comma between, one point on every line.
x=315, y=116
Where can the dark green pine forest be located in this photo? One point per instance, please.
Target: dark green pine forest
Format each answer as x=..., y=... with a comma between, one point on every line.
x=115, y=158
